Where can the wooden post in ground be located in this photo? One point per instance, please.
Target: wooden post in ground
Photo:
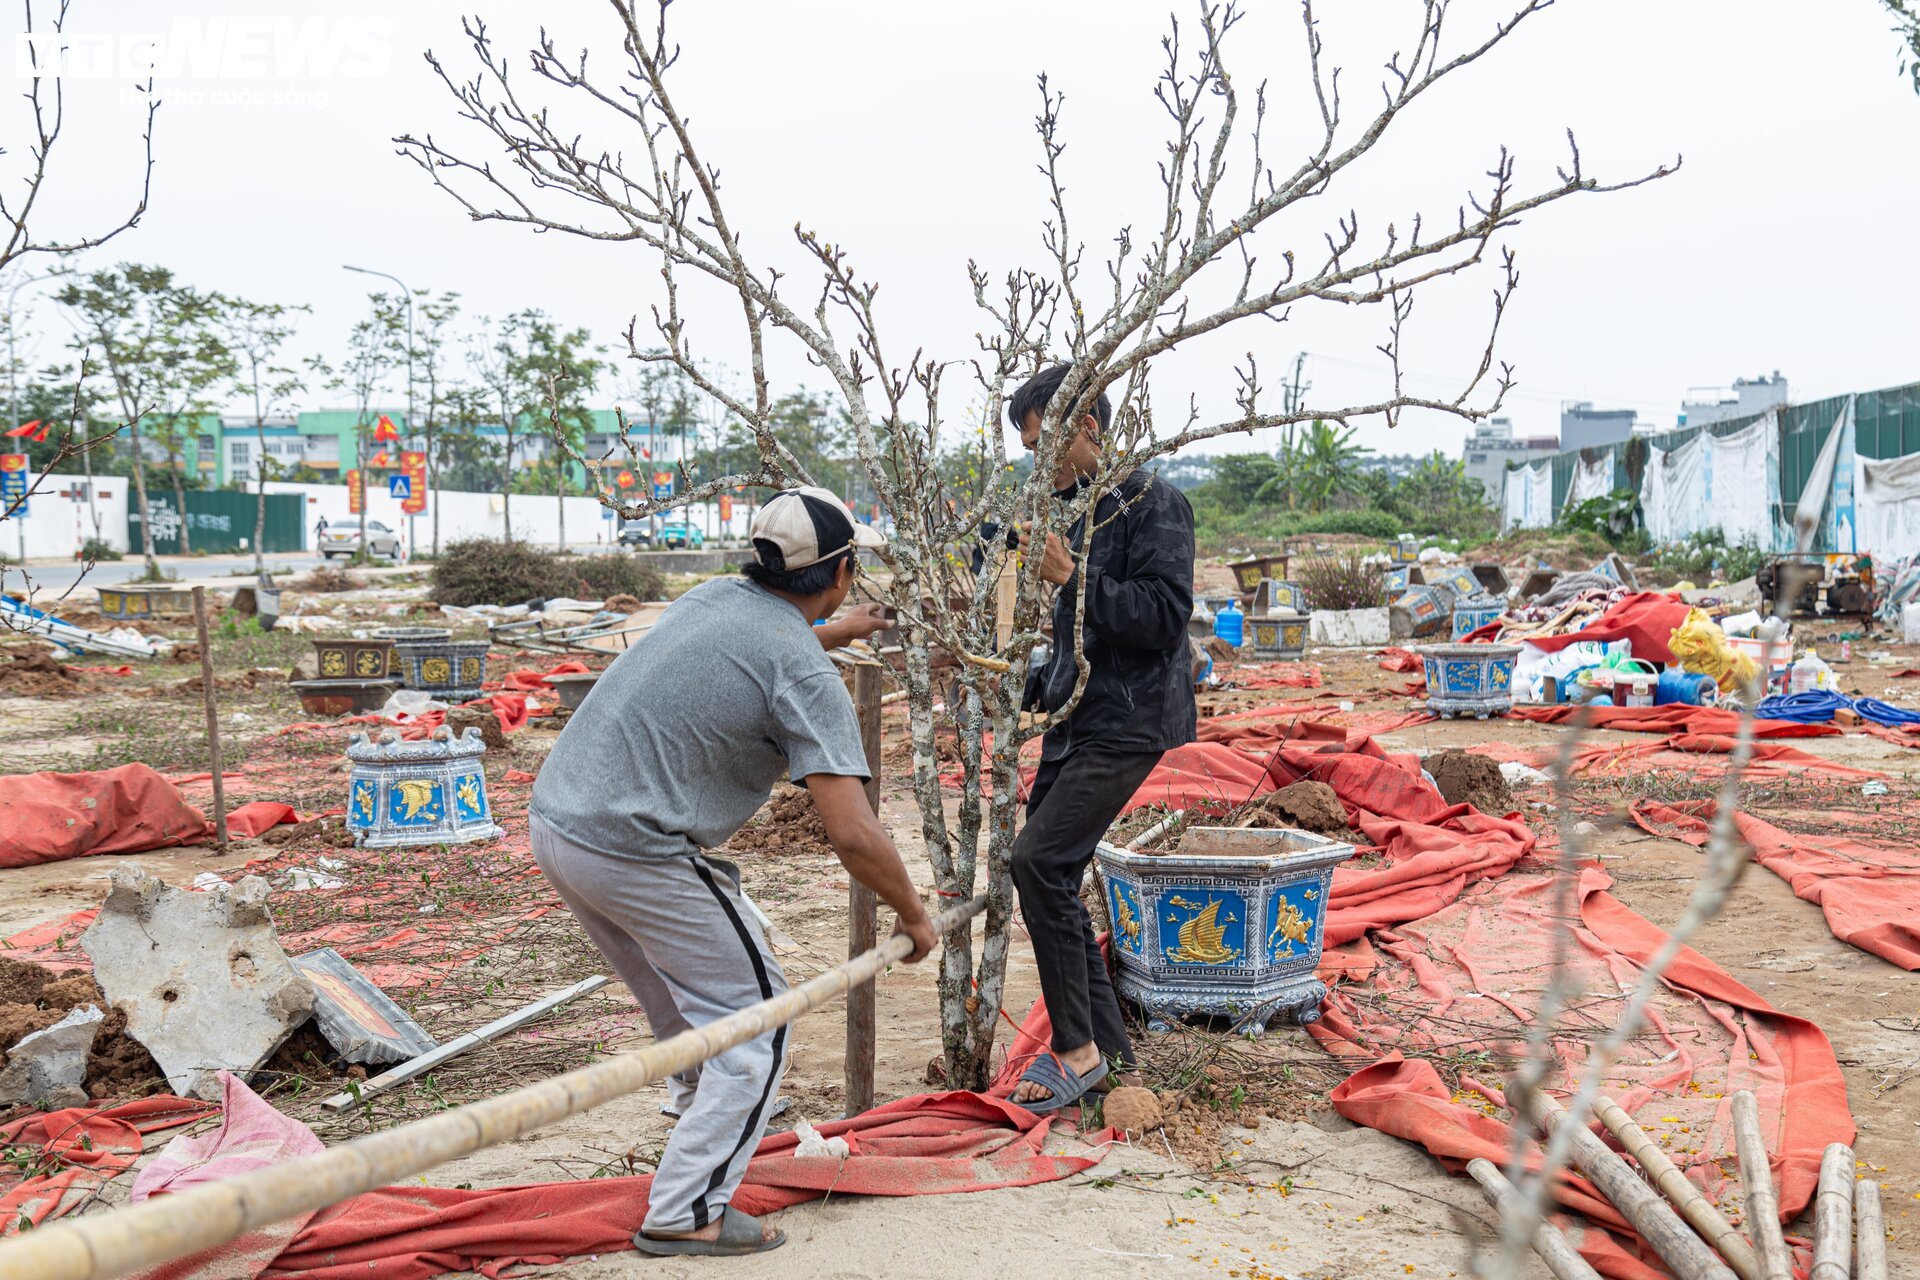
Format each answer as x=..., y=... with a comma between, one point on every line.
x=1870, y=1232
x=1554, y=1249
x=1671, y=1183
x=1756, y=1180
x=863, y=905
x=213, y=717
x=1833, y=1216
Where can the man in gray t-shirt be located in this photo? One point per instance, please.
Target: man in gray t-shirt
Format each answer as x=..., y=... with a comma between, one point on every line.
x=679, y=743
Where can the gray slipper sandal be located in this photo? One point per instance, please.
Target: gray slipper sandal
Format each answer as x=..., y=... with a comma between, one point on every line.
x=739, y=1236
x=1058, y=1079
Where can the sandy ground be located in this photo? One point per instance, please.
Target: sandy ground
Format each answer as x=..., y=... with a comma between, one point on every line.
x=1298, y=1198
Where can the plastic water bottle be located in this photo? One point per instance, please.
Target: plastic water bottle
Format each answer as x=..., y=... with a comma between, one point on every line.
x=1809, y=673
x=1230, y=624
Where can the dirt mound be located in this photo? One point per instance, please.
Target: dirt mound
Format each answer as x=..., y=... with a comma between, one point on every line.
x=252, y=679
x=1222, y=653
x=33, y=998
x=319, y=833
x=36, y=675
x=788, y=825
x=1308, y=806
x=1466, y=778
x=460, y=719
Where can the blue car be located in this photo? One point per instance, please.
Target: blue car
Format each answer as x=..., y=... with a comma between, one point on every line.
x=681, y=534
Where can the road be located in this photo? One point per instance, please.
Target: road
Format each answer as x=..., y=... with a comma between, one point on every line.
x=55, y=578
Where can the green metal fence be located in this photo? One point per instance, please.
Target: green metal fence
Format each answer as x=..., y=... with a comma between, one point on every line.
x=216, y=520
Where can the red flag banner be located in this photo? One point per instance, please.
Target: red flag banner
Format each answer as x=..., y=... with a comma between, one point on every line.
x=356, y=492
x=414, y=466
x=380, y=459
x=726, y=508
x=383, y=429
x=624, y=479
x=28, y=430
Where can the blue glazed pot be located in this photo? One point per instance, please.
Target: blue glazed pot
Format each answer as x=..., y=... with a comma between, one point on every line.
x=1424, y=611
x=427, y=792
x=1281, y=635
x=1473, y=612
x=1469, y=679
x=450, y=670
x=1230, y=926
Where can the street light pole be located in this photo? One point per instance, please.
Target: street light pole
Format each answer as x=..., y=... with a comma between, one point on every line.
x=406, y=293
x=13, y=383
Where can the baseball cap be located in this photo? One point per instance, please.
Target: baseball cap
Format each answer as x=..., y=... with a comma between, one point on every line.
x=808, y=525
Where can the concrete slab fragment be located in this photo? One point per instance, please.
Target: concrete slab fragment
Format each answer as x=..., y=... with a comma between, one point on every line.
x=201, y=977
x=1349, y=627
x=48, y=1069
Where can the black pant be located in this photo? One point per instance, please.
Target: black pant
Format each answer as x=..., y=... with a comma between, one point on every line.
x=1073, y=801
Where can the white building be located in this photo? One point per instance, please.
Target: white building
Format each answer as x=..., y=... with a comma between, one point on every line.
x=1492, y=445
x=1745, y=398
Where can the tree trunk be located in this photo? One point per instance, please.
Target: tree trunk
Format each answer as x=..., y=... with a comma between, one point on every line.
x=178, y=466
x=260, y=504
x=560, y=496
x=140, y=498
x=506, y=490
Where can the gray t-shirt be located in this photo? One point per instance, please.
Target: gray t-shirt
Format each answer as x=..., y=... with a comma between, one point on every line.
x=684, y=736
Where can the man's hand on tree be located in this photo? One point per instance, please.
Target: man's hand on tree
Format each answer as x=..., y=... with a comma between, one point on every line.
x=922, y=934
x=857, y=623
x=1056, y=562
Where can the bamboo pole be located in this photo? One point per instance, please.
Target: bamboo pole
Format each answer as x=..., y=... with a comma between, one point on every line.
x=1833, y=1216
x=213, y=717
x=1756, y=1179
x=1693, y=1205
x=1554, y=1249
x=1870, y=1232
x=134, y=1238
x=1157, y=830
x=863, y=907
x=1658, y=1225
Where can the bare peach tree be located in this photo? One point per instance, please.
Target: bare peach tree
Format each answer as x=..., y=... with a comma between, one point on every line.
x=1199, y=264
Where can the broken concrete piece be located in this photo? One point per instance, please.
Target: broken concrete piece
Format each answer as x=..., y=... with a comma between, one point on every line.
x=1349, y=627
x=200, y=976
x=48, y=1069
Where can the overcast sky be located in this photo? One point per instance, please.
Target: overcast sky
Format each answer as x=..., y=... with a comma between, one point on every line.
x=905, y=132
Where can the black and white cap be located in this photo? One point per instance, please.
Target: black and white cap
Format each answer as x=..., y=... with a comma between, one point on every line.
x=805, y=526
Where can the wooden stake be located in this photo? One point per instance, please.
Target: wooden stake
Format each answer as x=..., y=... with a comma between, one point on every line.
x=1870, y=1233
x=1671, y=1183
x=1756, y=1179
x=1833, y=1216
x=1658, y=1225
x=213, y=717
x=863, y=908
x=397, y=1076
x=97, y=1246
x=1554, y=1249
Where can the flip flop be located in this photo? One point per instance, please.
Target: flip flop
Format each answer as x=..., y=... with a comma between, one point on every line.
x=1059, y=1079
x=739, y=1236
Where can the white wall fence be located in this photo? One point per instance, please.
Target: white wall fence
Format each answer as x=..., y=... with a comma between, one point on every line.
x=59, y=519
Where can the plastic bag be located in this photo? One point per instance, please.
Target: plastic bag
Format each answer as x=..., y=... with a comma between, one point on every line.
x=1700, y=646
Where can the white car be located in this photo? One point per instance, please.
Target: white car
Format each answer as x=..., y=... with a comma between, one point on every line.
x=342, y=538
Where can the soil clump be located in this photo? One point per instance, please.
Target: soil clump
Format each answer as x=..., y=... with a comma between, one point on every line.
x=1466, y=778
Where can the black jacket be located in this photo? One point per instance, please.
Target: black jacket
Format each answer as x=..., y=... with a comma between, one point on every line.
x=1139, y=694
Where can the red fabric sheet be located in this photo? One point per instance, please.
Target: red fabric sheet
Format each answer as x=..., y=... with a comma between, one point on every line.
x=92, y=1148
x=1398, y=659
x=1673, y=718
x=49, y=817
x=527, y=680
x=1282, y=675
x=1468, y=977
x=1870, y=893
x=1648, y=619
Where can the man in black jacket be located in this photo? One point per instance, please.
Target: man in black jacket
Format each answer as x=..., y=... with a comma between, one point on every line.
x=1137, y=704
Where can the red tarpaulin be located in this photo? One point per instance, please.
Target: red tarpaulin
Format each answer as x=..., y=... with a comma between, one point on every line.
x=1870, y=893
x=1467, y=979
x=528, y=680
x=1675, y=717
x=49, y=817
x=1647, y=619
x=88, y=1148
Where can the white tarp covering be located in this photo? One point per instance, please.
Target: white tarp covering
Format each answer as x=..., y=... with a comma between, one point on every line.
x=1742, y=475
x=1809, y=513
x=1673, y=493
x=1591, y=479
x=1529, y=496
x=1886, y=496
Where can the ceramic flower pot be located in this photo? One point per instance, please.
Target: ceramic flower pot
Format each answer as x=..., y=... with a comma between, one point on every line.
x=343, y=697
x=353, y=659
x=450, y=670
x=1470, y=613
x=130, y=603
x=1230, y=926
x=1280, y=635
x=1469, y=679
x=425, y=792
x=573, y=688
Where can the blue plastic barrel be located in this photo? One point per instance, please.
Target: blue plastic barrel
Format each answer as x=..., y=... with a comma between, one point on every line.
x=1230, y=624
x=1689, y=688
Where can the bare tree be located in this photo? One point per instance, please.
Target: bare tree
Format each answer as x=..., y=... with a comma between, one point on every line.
x=1193, y=271
x=42, y=43
x=254, y=333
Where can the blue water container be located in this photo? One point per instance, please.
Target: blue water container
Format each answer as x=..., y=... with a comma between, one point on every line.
x=1230, y=624
x=1688, y=688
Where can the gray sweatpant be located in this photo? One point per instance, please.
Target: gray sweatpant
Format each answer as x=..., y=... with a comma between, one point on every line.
x=678, y=933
